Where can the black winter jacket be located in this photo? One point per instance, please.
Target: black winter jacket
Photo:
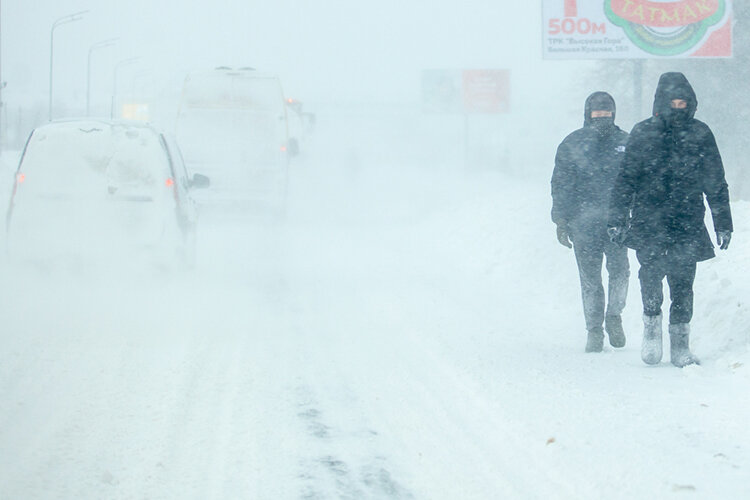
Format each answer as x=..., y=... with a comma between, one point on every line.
x=586, y=165
x=670, y=163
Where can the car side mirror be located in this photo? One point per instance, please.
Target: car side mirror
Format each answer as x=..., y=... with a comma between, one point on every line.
x=199, y=181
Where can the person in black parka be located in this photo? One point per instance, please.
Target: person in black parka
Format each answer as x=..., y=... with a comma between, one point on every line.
x=657, y=209
x=586, y=165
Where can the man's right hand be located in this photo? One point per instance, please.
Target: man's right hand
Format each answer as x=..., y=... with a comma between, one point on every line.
x=723, y=238
x=563, y=237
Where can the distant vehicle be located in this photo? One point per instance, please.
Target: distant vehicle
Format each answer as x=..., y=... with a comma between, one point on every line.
x=234, y=125
x=98, y=188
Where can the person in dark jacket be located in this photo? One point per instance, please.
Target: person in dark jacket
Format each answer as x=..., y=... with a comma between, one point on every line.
x=657, y=209
x=586, y=165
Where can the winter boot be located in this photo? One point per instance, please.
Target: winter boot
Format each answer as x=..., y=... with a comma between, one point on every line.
x=595, y=341
x=651, y=349
x=679, y=339
x=613, y=326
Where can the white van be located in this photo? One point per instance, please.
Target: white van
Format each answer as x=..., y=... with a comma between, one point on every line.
x=233, y=126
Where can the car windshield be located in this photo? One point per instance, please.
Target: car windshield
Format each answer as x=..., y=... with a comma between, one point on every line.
x=88, y=158
x=233, y=91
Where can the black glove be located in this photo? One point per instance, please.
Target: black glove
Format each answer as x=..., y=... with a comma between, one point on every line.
x=562, y=236
x=616, y=235
x=723, y=238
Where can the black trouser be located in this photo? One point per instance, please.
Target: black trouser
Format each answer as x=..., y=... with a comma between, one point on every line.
x=590, y=248
x=680, y=274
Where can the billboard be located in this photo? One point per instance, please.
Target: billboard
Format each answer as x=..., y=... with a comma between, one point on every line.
x=466, y=91
x=636, y=29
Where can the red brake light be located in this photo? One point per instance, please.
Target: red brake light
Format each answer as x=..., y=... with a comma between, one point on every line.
x=283, y=149
x=169, y=182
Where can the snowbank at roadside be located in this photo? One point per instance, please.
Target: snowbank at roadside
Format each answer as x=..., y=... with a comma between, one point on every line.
x=722, y=311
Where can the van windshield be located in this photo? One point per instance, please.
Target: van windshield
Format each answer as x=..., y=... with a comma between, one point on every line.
x=238, y=91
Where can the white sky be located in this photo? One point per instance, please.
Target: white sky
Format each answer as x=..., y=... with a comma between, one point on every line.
x=324, y=50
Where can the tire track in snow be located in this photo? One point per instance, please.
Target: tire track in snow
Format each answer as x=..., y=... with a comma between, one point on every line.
x=328, y=474
x=382, y=407
x=338, y=453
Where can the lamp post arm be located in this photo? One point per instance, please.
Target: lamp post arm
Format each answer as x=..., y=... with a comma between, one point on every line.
x=76, y=16
x=98, y=45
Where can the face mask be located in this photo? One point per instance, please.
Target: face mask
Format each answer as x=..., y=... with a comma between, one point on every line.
x=603, y=124
x=676, y=116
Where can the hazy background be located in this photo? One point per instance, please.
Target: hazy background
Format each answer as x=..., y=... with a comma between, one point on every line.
x=326, y=53
x=358, y=55
x=332, y=50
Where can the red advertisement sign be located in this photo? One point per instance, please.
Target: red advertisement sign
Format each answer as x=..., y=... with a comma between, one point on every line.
x=486, y=91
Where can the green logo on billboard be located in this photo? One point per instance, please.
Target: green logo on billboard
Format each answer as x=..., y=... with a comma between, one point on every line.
x=665, y=28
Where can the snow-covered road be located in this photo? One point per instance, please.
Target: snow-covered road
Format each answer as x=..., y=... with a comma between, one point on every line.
x=410, y=332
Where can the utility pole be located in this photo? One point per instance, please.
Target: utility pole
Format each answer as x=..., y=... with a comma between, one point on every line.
x=638, y=88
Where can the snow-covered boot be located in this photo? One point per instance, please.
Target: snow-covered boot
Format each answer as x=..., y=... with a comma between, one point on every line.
x=595, y=341
x=679, y=340
x=613, y=326
x=651, y=349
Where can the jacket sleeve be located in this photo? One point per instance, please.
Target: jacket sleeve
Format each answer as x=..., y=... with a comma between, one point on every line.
x=715, y=185
x=621, y=199
x=563, y=185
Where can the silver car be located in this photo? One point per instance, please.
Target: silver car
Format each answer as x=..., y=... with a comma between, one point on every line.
x=103, y=189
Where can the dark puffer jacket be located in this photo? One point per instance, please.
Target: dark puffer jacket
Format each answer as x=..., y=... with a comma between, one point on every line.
x=586, y=165
x=670, y=163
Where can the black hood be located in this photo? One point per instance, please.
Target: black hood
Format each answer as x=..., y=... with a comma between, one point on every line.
x=674, y=86
x=598, y=101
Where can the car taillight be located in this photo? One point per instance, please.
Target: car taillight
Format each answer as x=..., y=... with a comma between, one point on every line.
x=283, y=149
x=170, y=184
x=20, y=177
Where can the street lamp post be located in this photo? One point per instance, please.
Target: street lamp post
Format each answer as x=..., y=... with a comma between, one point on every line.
x=63, y=20
x=2, y=125
x=98, y=45
x=119, y=65
x=139, y=76
x=2, y=104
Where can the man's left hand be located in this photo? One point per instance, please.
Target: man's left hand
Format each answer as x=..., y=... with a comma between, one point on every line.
x=616, y=235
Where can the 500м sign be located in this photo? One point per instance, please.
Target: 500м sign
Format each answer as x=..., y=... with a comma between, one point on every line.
x=585, y=29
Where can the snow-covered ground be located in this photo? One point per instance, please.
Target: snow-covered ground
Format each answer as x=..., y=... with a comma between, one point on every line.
x=414, y=330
